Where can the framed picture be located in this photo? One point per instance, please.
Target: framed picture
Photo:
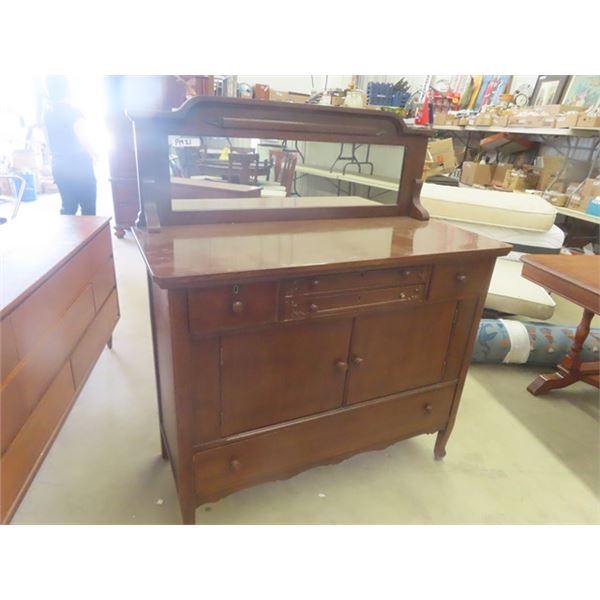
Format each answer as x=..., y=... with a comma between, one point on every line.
x=582, y=90
x=548, y=89
x=492, y=87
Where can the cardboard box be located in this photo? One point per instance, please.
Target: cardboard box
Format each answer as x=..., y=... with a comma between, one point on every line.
x=502, y=174
x=581, y=199
x=556, y=198
x=588, y=120
x=500, y=121
x=300, y=98
x=483, y=119
x=261, y=91
x=567, y=120
x=278, y=96
x=550, y=166
x=476, y=174
x=439, y=118
x=442, y=153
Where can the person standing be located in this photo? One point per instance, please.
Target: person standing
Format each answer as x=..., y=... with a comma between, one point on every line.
x=72, y=154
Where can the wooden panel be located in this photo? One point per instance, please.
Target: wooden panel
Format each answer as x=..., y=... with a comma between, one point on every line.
x=284, y=451
x=31, y=379
x=22, y=458
x=99, y=250
x=282, y=374
x=8, y=348
x=42, y=310
x=466, y=313
x=163, y=351
x=397, y=351
x=47, y=304
x=232, y=307
x=104, y=282
x=305, y=307
x=205, y=381
x=460, y=279
x=92, y=343
x=351, y=281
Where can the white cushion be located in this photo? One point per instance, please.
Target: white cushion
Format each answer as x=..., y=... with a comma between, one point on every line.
x=510, y=293
x=488, y=207
x=551, y=239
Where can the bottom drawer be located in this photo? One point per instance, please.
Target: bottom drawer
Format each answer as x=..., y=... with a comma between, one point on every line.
x=285, y=451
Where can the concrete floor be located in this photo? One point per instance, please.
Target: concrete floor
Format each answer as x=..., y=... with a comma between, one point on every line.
x=512, y=458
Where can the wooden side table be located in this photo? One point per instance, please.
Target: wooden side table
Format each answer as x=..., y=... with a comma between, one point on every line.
x=576, y=278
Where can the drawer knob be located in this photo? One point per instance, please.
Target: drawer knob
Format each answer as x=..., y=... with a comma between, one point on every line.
x=340, y=365
x=313, y=308
x=428, y=408
x=237, y=307
x=357, y=361
x=406, y=272
x=235, y=465
x=315, y=283
x=461, y=278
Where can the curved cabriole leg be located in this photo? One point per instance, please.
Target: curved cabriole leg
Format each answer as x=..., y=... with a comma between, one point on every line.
x=439, y=450
x=544, y=383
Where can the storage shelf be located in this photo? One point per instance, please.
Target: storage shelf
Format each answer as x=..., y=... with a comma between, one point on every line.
x=577, y=214
x=543, y=131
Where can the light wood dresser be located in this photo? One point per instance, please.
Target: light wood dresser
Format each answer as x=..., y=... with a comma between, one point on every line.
x=289, y=338
x=58, y=309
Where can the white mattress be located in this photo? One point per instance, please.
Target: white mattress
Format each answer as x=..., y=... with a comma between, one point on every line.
x=488, y=207
x=551, y=240
x=510, y=293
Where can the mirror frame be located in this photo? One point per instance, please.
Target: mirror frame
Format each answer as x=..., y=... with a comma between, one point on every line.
x=233, y=117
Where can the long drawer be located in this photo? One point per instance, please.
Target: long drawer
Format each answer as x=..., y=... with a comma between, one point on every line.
x=303, y=307
x=283, y=451
x=357, y=280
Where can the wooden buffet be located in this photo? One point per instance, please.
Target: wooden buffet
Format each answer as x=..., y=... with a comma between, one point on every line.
x=58, y=308
x=288, y=338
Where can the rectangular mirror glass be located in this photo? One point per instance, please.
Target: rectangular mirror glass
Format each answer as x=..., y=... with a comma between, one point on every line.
x=224, y=173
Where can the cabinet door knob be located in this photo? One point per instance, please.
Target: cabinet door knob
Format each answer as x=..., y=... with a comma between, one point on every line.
x=237, y=307
x=235, y=465
x=341, y=365
x=461, y=278
x=428, y=408
x=357, y=361
x=313, y=308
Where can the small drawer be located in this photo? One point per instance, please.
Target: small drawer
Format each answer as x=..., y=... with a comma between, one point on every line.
x=460, y=279
x=355, y=281
x=232, y=307
x=306, y=307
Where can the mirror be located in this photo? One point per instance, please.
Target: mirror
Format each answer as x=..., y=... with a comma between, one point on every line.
x=225, y=173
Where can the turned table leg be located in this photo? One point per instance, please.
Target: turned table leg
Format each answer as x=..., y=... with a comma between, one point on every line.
x=570, y=368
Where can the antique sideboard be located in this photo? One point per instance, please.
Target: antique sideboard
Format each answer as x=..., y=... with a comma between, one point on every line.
x=58, y=309
x=295, y=333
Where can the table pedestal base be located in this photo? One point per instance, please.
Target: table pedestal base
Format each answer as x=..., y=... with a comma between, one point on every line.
x=570, y=369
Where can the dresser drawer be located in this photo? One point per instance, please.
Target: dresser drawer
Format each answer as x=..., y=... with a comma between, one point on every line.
x=460, y=279
x=355, y=281
x=309, y=306
x=282, y=452
x=231, y=307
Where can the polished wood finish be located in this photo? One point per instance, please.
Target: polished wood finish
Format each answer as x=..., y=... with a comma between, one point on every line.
x=59, y=308
x=223, y=117
x=576, y=278
x=294, y=341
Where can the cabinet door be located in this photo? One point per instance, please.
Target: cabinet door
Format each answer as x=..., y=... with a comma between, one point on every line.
x=282, y=373
x=396, y=351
